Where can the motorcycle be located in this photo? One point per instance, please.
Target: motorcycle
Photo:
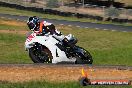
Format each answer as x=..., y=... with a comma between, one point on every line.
x=49, y=49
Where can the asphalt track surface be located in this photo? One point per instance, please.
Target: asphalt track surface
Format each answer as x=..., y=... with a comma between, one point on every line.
x=97, y=26
x=118, y=67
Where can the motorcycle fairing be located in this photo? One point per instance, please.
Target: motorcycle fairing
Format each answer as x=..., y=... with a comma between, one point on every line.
x=49, y=42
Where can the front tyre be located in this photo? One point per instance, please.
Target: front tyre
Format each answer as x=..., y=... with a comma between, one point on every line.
x=38, y=56
x=80, y=60
x=83, y=56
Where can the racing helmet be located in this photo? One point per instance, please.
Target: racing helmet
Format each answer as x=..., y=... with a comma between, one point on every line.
x=33, y=23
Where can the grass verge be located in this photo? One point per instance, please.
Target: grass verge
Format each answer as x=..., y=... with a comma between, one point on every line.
x=53, y=85
x=12, y=49
x=13, y=11
x=106, y=47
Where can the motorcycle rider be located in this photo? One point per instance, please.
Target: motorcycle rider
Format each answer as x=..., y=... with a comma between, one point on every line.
x=43, y=28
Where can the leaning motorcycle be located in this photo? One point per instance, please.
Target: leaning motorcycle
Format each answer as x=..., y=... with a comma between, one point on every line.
x=49, y=49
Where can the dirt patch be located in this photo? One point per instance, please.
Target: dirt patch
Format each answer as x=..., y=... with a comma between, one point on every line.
x=12, y=23
x=58, y=73
x=14, y=31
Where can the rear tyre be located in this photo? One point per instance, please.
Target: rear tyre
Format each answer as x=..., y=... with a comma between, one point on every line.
x=38, y=56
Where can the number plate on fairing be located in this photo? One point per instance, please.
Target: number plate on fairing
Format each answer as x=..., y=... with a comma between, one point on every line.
x=30, y=37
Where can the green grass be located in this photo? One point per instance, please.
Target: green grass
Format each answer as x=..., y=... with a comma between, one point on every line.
x=106, y=47
x=53, y=85
x=9, y=27
x=12, y=11
x=12, y=49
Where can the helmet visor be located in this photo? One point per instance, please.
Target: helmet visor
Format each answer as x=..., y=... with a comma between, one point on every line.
x=31, y=26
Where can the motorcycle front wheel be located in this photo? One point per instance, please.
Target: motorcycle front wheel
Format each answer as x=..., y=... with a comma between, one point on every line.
x=43, y=56
x=83, y=56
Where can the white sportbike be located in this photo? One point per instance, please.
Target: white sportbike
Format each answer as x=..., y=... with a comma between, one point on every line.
x=49, y=49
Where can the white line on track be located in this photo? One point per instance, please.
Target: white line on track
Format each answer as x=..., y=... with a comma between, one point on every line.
x=96, y=28
x=77, y=26
x=69, y=25
x=2, y=17
x=86, y=27
x=113, y=30
x=18, y=19
x=105, y=29
x=61, y=24
x=9, y=18
x=124, y=31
